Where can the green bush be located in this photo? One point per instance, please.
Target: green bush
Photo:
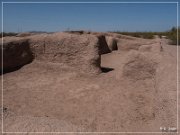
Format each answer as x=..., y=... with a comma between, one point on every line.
x=171, y=34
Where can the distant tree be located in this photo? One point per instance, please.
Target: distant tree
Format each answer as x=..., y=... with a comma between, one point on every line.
x=174, y=29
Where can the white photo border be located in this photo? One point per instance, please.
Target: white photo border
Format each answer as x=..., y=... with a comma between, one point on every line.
x=78, y=2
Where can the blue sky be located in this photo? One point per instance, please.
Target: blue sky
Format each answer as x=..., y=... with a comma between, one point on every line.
x=94, y=17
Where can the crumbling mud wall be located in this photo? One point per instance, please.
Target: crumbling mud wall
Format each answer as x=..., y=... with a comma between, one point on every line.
x=79, y=51
x=112, y=43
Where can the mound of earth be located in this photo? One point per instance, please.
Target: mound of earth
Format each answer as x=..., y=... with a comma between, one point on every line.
x=139, y=66
x=24, y=34
x=156, y=47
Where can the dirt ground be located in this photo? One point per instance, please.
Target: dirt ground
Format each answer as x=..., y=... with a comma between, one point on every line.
x=48, y=97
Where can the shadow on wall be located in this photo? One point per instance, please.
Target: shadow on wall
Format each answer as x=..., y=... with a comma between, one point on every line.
x=4, y=71
x=106, y=69
x=16, y=54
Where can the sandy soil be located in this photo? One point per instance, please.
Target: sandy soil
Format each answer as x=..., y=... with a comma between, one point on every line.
x=46, y=97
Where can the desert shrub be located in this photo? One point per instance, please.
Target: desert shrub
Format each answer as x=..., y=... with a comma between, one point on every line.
x=171, y=34
x=8, y=34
